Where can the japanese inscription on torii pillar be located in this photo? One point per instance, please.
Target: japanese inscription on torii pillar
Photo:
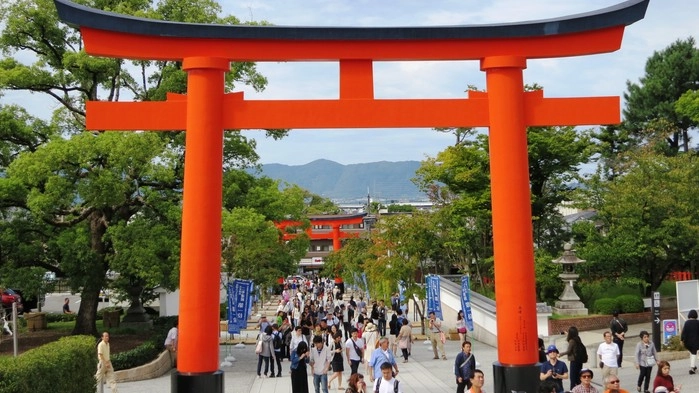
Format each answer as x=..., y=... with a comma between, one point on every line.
x=205, y=111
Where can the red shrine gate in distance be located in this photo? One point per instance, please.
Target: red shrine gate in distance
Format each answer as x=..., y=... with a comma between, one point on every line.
x=206, y=52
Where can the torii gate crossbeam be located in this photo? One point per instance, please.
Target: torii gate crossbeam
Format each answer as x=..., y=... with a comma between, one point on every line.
x=205, y=111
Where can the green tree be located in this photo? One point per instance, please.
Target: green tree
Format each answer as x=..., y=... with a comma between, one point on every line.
x=650, y=111
x=253, y=248
x=648, y=220
x=83, y=195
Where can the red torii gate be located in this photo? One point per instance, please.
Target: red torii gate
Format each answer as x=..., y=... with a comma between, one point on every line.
x=205, y=111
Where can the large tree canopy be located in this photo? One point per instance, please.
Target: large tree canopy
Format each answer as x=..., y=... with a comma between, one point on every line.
x=81, y=204
x=650, y=105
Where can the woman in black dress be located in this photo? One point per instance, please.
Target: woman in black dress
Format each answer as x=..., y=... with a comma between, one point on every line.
x=337, y=362
x=299, y=375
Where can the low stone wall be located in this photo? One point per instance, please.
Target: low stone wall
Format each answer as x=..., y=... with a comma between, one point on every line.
x=594, y=322
x=154, y=369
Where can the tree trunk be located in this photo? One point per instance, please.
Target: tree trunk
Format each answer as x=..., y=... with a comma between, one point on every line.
x=86, y=321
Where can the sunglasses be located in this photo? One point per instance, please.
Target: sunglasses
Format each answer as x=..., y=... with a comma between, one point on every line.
x=585, y=376
x=617, y=381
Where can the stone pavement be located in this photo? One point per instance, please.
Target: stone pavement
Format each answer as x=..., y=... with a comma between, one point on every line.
x=422, y=373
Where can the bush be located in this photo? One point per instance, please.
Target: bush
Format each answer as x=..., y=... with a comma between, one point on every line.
x=54, y=317
x=147, y=351
x=630, y=303
x=64, y=366
x=674, y=344
x=606, y=305
x=138, y=356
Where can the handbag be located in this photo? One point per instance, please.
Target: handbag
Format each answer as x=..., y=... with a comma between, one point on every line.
x=258, y=347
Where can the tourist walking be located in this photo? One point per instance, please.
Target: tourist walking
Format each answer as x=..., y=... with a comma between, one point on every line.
x=554, y=370
x=299, y=375
x=436, y=335
x=464, y=366
x=577, y=355
x=461, y=326
x=381, y=356
x=645, y=360
x=354, y=348
x=690, y=339
x=607, y=353
x=405, y=339
x=337, y=362
x=266, y=351
x=320, y=364
x=386, y=382
x=585, y=386
x=664, y=379
x=356, y=384
x=105, y=370
x=613, y=384
x=371, y=341
x=477, y=382
x=619, y=328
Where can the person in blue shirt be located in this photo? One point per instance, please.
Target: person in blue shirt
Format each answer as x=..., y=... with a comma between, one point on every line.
x=553, y=369
x=464, y=366
x=380, y=356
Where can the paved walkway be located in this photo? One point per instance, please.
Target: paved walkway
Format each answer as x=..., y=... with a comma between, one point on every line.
x=422, y=373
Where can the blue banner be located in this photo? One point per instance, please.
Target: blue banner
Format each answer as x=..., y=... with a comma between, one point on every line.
x=366, y=286
x=466, y=302
x=239, y=305
x=401, y=292
x=434, y=302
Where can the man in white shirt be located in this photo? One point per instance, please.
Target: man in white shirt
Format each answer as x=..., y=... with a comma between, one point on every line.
x=353, y=348
x=387, y=384
x=607, y=353
x=171, y=344
x=296, y=338
x=320, y=364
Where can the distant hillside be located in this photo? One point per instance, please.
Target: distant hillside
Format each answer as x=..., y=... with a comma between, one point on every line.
x=384, y=180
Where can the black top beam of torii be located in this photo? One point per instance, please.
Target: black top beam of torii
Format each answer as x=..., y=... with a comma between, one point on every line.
x=624, y=13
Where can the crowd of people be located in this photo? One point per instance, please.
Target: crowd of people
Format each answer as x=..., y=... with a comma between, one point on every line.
x=609, y=358
x=339, y=339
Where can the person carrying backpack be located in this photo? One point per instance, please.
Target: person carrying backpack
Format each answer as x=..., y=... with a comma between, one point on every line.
x=577, y=355
x=277, y=344
x=387, y=383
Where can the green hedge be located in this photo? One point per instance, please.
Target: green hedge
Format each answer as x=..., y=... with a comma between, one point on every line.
x=629, y=303
x=55, y=317
x=147, y=351
x=606, y=305
x=64, y=366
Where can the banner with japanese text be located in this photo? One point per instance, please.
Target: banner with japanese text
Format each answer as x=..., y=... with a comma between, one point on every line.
x=434, y=302
x=466, y=301
x=239, y=305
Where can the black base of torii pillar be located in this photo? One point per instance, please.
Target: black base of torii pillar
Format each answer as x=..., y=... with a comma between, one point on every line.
x=197, y=383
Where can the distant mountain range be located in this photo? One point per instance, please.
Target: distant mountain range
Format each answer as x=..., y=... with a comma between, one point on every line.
x=385, y=181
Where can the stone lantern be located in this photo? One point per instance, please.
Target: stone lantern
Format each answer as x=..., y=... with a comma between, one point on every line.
x=569, y=303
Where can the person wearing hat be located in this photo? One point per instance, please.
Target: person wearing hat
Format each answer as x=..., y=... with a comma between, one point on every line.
x=371, y=341
x=554, y=370
x=585, y=386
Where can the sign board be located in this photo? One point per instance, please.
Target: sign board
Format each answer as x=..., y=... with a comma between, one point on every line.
x=669, y=329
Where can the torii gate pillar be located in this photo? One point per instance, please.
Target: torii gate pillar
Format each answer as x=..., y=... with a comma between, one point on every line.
x=506, y=109
x=512, y=225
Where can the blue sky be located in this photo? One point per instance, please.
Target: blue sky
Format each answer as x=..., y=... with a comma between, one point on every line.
x=665, y=22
